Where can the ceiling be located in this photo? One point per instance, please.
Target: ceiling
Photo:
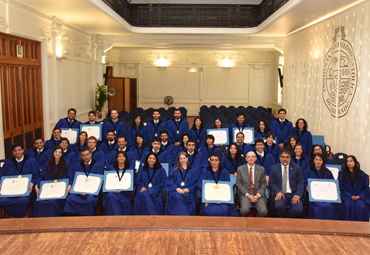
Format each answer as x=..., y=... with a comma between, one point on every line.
x=195, y=1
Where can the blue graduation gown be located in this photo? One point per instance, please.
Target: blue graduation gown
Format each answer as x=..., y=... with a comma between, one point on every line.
x=171, y=150
x=76, y=149
x=41, y=158
x=181, y=204
x=245, y=148
x=231, y=165
x=304, y=164
x=197, y=161
x=267, y=162
x=304, y=138
x=199, y=136
x=152, y=129
x=354, y=210
x=216, y=209
x=282, y=131
x=236, y=125
x=50, y=144
x=173, y=127
x=112, y=157
x=106, y=148
x=64, y=123
x=208, y=150
x=83, y=205
x=18, y=207
x=133, y=132
x=274, y=150
x=180, y=148
x=117, y=203
x=71, y=157
x=321, y=210
x=149, y=202
x=163, y=157
x=139, y=152
x=119, y=127
x=99, y=156
x=259, y=134
x=51, y=207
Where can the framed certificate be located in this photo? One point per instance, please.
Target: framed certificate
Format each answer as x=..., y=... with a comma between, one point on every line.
x=71, y=134
x=50, y=190
x=334, y=169
x=91, y=187
x=92, y=130
x=221, y=135
x=111, y=181
x=248, y=134
x=321, y=190
x=222, y=194
x=12, y=186
x=232, y=180
x=165, y=167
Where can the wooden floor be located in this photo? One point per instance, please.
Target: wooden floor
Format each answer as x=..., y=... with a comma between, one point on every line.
x=181, y=235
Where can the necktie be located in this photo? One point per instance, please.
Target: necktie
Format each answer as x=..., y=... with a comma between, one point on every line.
x=284, y=182
x=251, y=187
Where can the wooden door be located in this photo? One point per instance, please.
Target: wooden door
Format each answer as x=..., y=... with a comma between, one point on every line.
x=117, y=101
x=133, y=94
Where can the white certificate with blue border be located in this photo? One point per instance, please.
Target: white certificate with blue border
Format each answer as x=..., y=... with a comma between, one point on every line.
x=222, y=193
x=71, y=134
x=334, y=169
x=50, y=190
x=323, y=190
x=248, y=134
x=91, y=187
x=12, y=186
x=112, y=183
x=221, y=135
x=92, y=130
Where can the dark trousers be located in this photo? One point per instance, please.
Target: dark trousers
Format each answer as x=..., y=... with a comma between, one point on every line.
x=286, y=209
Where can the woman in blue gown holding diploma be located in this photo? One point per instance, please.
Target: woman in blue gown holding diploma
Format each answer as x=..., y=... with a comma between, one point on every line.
x=354, y=191
x=55, y=169
x=215, y=172
x=150, y=181
x=321, y=210
x=233, y=159
x=181, y=187
x=118, y=202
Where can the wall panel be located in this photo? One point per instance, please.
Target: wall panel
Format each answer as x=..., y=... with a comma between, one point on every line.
x=215, y=83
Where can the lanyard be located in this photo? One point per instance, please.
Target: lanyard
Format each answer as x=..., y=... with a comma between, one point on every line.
x=213, y=174
x=183, y=177
x=123, y=172
x=16, y=165
x=150, y=179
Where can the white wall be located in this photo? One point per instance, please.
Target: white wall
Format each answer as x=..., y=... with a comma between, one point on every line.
x=310, y=65
x=252, y=81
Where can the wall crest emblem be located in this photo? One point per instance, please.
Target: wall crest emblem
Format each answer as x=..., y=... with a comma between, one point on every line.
x=339, y=74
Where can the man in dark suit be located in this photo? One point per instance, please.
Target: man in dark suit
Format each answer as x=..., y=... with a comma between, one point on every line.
x=251, y=183
x=286, y=180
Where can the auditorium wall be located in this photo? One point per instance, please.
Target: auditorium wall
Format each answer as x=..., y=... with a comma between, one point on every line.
x=327, y=80
x=251, y=81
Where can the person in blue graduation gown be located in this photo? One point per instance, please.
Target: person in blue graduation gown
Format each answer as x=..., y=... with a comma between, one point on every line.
x=163, y=156
x=240, y=125
x=154, y=127
x=272, y=147
x=139, y=148
x=318, y=149
x=292, y=142
x=177, y=127
x=137, y=127
x=304, y=136
x=84, y=204
x=118, y=202
x=264, y=158
x=198, y=133
x=92, y=118
x=181, y=187
x=215, y=172
x=69, y=155
x=233, y=159
x=209, y=148
x=56, y=168
x=354, y=191
x=196, y=159
x=167, y=146
x=321, y=210
x=299, y=157
x=218, y=124
x=244, y=148
x=70, y=121
x=261, y=131
x=150, y=181
x=282, y=128
x=118, y=126
x=182, y=147
x=40, y=153
x=121, y=143
x=109, y=145
x=18, y=165
x=54, y=140
x=80, y=143
x=97, y=154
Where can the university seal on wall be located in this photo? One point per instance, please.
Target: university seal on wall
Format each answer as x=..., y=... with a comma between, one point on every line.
x=339, y=74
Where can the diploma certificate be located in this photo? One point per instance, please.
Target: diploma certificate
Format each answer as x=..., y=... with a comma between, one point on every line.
x=50, y=190
x=221, y=135
x=321, y=190
x=92, y=130
x=222, y=193
x=248, y=134
x=334, y=169
x=92, y=186
x=12, y=186
x=71, y=134
x=112, y=183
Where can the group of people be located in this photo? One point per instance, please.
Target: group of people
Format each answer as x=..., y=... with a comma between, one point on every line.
x=282, y=158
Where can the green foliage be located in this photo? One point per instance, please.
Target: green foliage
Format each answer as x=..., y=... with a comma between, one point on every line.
x=101, y=97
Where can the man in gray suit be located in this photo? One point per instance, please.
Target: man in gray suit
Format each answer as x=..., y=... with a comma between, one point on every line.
x=251, y=183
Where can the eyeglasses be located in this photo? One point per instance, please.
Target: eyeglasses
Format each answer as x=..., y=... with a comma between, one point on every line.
x=286, y=157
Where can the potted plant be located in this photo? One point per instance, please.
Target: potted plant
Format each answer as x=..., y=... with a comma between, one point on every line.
x=101, y=97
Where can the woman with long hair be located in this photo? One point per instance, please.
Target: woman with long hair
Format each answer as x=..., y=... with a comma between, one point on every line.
x=56, y=168
x=233, y=159
x=118, y=202
x=182, y=146
x=318, y=149
x=181, y=187
x=304, y=136
x=300, y=158
x=292, y=143
x=139, y=149
x=80, y=143
x=262, y=130
x=219, y=124
x=137, y=127
x=198, y=133
x=150, y=181
x=354, y=191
